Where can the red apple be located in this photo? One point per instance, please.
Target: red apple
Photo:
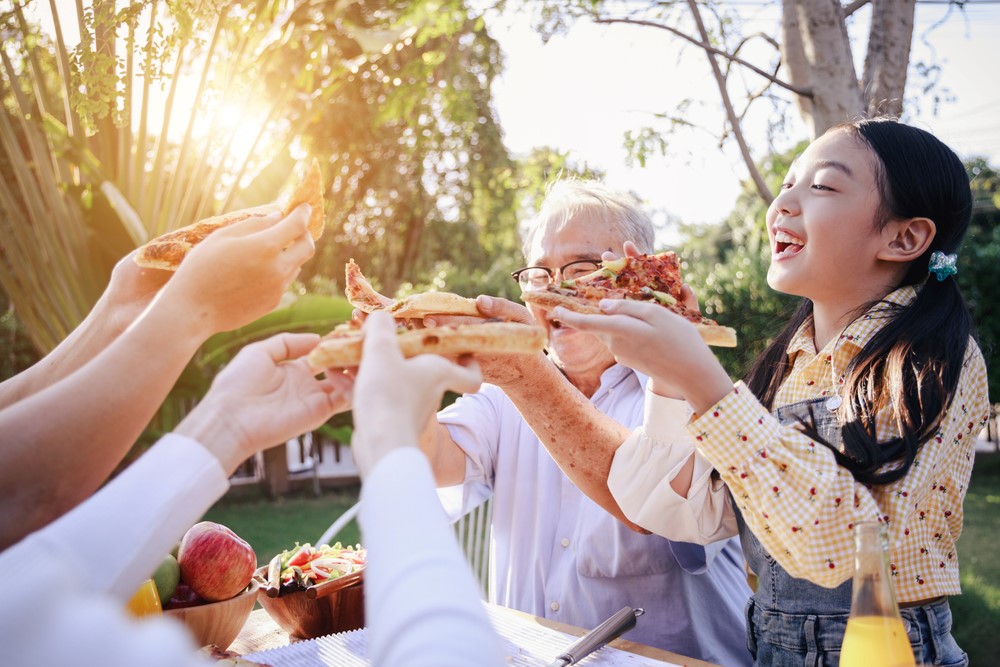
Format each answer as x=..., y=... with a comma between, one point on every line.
x=215, y=562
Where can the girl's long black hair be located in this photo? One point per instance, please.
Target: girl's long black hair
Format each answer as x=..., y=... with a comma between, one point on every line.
x=911, y=367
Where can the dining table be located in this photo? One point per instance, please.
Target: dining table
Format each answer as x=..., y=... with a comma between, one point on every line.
x=261, y=633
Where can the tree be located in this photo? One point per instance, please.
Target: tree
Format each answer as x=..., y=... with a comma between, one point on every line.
x=726, y=264
x=979, y=265
x=394, y=99
x=808, y=61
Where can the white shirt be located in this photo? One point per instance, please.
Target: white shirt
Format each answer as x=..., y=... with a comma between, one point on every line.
x=557, y=554
x=650, y=459
x=64, y=599
x=418, y=586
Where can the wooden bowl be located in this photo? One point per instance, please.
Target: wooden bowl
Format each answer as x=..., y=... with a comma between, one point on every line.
x=303, y=617
x=218, y=622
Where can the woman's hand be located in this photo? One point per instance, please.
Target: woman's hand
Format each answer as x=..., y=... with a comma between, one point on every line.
x=394, y=398
x=240, y=272
x=266, y=395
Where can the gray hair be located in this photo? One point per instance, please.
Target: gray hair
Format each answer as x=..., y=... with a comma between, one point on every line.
x=567, y=198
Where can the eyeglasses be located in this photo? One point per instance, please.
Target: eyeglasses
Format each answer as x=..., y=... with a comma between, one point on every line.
x=539, y=277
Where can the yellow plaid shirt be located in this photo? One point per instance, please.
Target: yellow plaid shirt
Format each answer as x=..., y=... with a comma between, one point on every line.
x=802, y=506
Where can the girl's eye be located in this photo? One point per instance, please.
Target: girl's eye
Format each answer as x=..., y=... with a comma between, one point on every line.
x=818, y=186
x=786, y=185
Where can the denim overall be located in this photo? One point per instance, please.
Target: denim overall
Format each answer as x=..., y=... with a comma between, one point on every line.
x=792, y=622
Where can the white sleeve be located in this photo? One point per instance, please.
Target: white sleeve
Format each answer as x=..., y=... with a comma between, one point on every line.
x=650, y=459
x=422, y=602
x=120, y=534
x=65, y=599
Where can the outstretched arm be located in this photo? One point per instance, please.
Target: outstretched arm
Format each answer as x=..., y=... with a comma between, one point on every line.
x=129, y=292
x=62, y=442
x=580, y=438
x=265, y=395
x=420, y=594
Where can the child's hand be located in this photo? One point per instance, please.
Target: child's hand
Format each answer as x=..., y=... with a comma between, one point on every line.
x=659, y=343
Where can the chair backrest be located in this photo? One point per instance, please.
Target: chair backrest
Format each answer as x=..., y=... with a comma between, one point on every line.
x=473, y=532
x=339, y=524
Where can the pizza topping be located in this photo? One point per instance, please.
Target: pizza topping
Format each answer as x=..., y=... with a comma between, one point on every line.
x=654, y=278
x=307, y=565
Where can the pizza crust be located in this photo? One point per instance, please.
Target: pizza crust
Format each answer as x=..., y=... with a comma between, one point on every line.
x=417, y=306
x=167, y=251
x=363, y=296
x=343, y=350
x=310, y=191
x=713, y=334
x=360, y=292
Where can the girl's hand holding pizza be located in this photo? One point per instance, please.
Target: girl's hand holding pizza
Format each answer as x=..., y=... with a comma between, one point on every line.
x=659, y=343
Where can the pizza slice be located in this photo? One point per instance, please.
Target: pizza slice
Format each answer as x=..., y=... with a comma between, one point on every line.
x=168, y=250
x=363, y=296
x=655, y=278
x=360, y=292
x=341, y=348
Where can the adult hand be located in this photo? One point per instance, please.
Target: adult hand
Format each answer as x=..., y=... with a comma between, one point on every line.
x=659, y=343
x=240, y=272
x=629, y=249
x=129, y=292
x=266, y=395
x=394, y=398
x=501, y=370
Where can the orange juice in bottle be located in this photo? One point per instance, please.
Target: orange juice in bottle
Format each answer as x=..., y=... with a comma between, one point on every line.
x=145, y=601
x=875, y=633
x=875, y=640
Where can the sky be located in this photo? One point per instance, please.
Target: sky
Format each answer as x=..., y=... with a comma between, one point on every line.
x=583, y=90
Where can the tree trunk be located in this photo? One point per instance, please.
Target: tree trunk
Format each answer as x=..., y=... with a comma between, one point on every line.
x=888, y=56
x=821, y=53
x=793, y=56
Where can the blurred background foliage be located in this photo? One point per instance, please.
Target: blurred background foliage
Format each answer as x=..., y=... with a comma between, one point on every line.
x=165, y=112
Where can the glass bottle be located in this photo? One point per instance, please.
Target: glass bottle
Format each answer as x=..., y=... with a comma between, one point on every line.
x=875, y=633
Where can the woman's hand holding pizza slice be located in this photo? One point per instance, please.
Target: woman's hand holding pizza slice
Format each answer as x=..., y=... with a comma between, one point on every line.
x=240, y=273
x=167, y=251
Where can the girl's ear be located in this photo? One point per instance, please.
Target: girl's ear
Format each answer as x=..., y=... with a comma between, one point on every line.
x=905, y=240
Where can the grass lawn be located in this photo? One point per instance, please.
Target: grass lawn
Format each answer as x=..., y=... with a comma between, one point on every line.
x=977, y=610
x=272, y=526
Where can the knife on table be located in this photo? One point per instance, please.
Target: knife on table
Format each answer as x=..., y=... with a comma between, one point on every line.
x=620, y=623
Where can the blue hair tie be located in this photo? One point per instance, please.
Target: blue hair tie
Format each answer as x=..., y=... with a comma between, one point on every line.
x=943, y=265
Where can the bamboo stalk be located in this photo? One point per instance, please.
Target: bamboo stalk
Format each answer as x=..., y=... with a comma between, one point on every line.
x=139, y=165
x=169, y=209
x=156, y=179
x=207, y=186
x=72, y=121
x=51, y=222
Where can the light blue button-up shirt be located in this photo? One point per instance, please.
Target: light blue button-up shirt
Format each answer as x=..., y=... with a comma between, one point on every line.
x=557, y=554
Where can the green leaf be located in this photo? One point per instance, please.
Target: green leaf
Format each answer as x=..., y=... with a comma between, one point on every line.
x=309, y=313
